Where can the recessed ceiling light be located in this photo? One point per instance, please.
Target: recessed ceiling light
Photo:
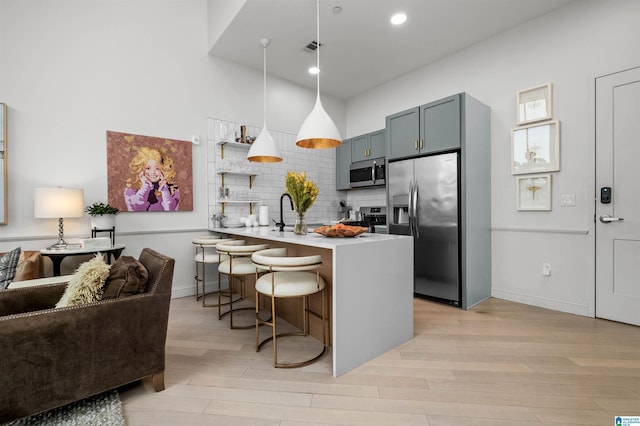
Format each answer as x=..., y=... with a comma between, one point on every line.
x=314, y=70
x=398, y=18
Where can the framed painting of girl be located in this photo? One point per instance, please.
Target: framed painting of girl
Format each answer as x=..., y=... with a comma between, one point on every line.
x=149, y=174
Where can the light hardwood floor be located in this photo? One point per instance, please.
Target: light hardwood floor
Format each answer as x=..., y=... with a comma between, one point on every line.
x=501, y=363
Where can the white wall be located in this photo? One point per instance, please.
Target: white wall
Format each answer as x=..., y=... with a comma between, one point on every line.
x=72, y=69
x=569, y=48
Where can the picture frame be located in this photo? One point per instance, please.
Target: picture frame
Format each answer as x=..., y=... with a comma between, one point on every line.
x=533, y=192
x=535, y=148
x=534, y=104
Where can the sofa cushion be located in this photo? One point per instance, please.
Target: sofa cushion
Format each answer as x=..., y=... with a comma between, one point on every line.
x=126, y=278
x=8, y=265
x=86, y=284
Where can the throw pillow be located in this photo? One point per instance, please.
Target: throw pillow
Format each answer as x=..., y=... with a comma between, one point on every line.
x=87, y=283
x=126, y=278
x=29, y=266
x=8, y=265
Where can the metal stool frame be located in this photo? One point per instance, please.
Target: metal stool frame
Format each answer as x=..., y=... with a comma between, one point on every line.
x=315, y=262
x=201, y=245
x=235, y=249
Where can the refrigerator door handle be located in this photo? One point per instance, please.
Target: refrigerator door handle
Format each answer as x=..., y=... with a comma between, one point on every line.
x=416, y=224
x=410, y=208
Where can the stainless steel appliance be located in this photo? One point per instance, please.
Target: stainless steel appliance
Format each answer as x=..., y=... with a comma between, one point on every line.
x=423, y=198
x=367, y=173
x=375, y=218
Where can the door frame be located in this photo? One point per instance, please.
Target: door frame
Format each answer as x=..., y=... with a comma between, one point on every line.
x=591, y=176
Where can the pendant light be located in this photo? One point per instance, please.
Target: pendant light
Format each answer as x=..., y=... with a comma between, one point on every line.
x=264, y=149
x=318, y=130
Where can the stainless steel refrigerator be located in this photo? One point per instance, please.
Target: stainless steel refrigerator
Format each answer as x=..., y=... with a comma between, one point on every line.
x=423, y=197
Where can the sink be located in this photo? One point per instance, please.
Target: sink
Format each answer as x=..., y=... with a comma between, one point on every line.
x=289, y=228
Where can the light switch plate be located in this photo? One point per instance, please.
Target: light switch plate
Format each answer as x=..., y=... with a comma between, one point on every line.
x=568, y=200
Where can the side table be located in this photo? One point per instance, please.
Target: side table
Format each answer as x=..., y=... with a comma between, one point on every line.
x=57, y=255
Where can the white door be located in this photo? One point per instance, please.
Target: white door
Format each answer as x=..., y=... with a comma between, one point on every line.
x=618, y=168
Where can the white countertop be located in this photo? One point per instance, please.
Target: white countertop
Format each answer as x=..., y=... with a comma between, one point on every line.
x=311, y=239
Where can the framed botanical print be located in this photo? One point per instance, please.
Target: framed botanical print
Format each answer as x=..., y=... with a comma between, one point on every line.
x=534, y=104
x=533, y=192
x=535, y=148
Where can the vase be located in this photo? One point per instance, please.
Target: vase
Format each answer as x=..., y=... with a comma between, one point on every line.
x=300, y=228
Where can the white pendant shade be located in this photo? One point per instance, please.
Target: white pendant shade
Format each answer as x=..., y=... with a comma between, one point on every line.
x=264, y=149
x=318, y=130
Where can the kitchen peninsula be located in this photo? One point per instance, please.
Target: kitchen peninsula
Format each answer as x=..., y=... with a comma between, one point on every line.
x=370, y=281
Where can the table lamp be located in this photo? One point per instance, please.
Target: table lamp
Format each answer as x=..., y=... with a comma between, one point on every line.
x=58, y=203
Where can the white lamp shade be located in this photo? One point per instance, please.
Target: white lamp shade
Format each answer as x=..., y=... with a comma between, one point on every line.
x=58, y=203
x=318, y=130
x=264, y=149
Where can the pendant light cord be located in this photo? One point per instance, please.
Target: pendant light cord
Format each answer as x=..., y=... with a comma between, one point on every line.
x=318, y=48
x=265, y=43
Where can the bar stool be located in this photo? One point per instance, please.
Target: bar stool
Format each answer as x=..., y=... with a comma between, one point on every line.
x=289, y=277
x=206, y=254
x=237, y=265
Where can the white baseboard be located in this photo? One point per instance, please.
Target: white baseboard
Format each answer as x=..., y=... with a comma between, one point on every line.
x=541, y=302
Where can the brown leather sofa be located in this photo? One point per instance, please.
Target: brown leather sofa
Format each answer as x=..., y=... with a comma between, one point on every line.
x=51, y=357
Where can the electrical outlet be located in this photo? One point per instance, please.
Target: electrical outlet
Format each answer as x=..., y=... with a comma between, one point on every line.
x=546, y=269
x=195, y=139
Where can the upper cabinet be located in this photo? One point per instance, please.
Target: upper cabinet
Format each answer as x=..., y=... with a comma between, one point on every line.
x=403, y=134
x=430, y=128
x=343, y=161
x=368, y=146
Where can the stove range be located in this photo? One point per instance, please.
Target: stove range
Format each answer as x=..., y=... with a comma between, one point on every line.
x=371, y=217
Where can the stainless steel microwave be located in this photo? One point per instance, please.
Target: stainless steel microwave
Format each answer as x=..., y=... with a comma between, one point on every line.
x=367, y=173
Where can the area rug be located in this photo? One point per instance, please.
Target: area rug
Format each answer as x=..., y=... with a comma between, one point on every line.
x=99, y=410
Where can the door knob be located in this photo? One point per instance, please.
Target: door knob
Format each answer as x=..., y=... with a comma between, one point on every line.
x=605, y=218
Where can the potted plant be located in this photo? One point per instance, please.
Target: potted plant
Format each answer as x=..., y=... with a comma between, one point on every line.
x=103, y=215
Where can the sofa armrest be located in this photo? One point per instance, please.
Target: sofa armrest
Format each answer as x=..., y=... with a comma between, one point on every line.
x=75, y=352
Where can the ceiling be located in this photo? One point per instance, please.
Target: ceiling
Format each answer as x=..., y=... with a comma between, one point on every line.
x=360, y=48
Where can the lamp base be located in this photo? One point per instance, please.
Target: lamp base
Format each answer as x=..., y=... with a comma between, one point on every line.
x=61, y=244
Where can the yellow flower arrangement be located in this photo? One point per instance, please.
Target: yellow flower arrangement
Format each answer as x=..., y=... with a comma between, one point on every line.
x=303, y=191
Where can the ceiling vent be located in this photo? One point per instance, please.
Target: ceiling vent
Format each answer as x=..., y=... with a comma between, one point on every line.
x=312, y=46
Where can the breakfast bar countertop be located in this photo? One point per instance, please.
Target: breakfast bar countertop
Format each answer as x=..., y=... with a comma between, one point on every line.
x=311, y=239
x=370, y=280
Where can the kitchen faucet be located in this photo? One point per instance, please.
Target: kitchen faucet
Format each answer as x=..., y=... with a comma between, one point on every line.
x=281, y=223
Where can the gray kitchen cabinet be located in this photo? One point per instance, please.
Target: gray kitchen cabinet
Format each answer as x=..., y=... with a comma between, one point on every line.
x=430, y=128
x=440, y=125
x=403, y=134
x=343, y=162
x=368, y=146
